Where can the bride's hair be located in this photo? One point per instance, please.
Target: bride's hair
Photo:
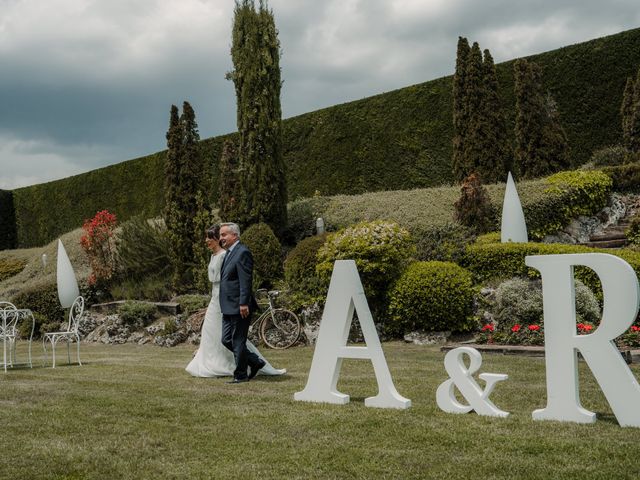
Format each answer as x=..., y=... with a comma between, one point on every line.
x=214, y=232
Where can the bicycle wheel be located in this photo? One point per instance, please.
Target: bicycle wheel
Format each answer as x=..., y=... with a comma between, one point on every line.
x=281, y=329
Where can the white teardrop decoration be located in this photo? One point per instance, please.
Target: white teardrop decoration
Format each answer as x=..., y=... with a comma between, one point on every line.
x=68, y=289
x=514, y=226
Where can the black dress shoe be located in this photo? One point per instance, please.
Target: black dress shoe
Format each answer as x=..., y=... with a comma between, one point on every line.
x=239, y=380
x=253, y=371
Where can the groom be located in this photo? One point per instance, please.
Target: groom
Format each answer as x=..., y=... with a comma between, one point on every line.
x=237, y=302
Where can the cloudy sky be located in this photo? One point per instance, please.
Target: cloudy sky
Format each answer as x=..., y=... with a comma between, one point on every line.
x=88, y=83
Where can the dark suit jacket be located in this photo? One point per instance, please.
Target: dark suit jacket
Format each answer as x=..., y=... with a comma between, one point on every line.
x=236, y=280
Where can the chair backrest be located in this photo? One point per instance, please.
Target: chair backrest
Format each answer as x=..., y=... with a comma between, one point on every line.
x=8, y=316
x=75, y=313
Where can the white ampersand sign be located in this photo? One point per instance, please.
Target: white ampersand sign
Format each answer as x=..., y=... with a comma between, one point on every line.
x=460, y=377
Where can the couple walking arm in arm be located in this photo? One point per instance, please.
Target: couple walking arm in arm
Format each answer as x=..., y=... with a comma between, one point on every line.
x=224, y=349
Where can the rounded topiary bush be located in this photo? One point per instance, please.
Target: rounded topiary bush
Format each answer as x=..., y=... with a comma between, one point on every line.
x=300, y=265
x=266, y=250
x=432, y=296
x=380, y=249
x=137, y=314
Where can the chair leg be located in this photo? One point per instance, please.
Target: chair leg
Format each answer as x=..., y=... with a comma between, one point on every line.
x=68, y=351
x=15, y=359
x=78, y=342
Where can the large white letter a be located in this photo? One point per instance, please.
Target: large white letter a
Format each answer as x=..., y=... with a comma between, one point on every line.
x=346, y=295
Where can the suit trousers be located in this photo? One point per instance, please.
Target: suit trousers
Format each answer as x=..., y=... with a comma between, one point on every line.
x=234, y=338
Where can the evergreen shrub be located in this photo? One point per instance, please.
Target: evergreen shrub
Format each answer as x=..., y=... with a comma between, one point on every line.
x=519, y=301
x=633, y=232
x=446, y=242
x=267, y=255
x=302, y=215
x=473, y=208
x=609, y=156
x=432, y=296
x=625, y=178
x=142, y=248
x=10, y=267
x=137, y=314
x=153, y=288
x=381, y=251
x=24, y=328
x=300, y=265
x=41, y=299
x=570, y=194
x=586, y=192
x=189, y=304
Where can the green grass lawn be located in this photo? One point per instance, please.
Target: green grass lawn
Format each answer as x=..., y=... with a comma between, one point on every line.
x=133, y=412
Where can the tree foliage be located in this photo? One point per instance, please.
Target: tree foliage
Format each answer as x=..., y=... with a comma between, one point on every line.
x=255, y=52
x=541, y=143
x=630, y=114
x=480, y=142
x=184, y=165
x=626, y=112
x=460, y=120
x=229, y=184
x=473, y=208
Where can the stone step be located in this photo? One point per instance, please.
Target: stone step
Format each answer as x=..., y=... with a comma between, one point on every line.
x=616, y=243
x=611, y=235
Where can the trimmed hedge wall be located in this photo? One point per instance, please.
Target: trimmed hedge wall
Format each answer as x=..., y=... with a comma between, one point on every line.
x=8, y=233
x=396, y=140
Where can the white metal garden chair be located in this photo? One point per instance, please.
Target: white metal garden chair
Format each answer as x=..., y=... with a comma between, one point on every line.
x=71, y=333
x=8, y=333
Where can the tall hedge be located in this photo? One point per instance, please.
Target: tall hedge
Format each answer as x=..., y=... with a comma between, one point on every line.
x=347, y=148
x=8, y=233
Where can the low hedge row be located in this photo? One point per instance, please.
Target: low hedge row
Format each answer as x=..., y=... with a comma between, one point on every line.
x=503, y=260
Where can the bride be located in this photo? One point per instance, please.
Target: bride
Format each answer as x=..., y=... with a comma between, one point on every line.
x=212, y=358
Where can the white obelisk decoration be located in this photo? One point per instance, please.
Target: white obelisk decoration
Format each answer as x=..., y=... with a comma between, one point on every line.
x=68, y=289
x=514, y=227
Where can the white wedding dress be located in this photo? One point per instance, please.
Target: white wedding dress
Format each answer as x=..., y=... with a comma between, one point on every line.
x=212, y=358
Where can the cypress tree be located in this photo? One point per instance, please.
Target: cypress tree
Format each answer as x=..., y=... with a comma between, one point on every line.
x=626, y=112
x=172, y=162
x=634, y=122
x=495, y=154
x=460, y=107
x=201, y=254
x=541, y=143
x=191, y=165
x=229, y=182
x=474, y=93
x=183, y=169
x=255, y=52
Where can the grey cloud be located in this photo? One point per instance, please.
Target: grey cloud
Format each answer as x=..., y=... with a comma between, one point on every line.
x=85, y=84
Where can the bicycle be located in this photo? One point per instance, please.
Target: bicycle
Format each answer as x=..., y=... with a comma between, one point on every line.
x=276, y=327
